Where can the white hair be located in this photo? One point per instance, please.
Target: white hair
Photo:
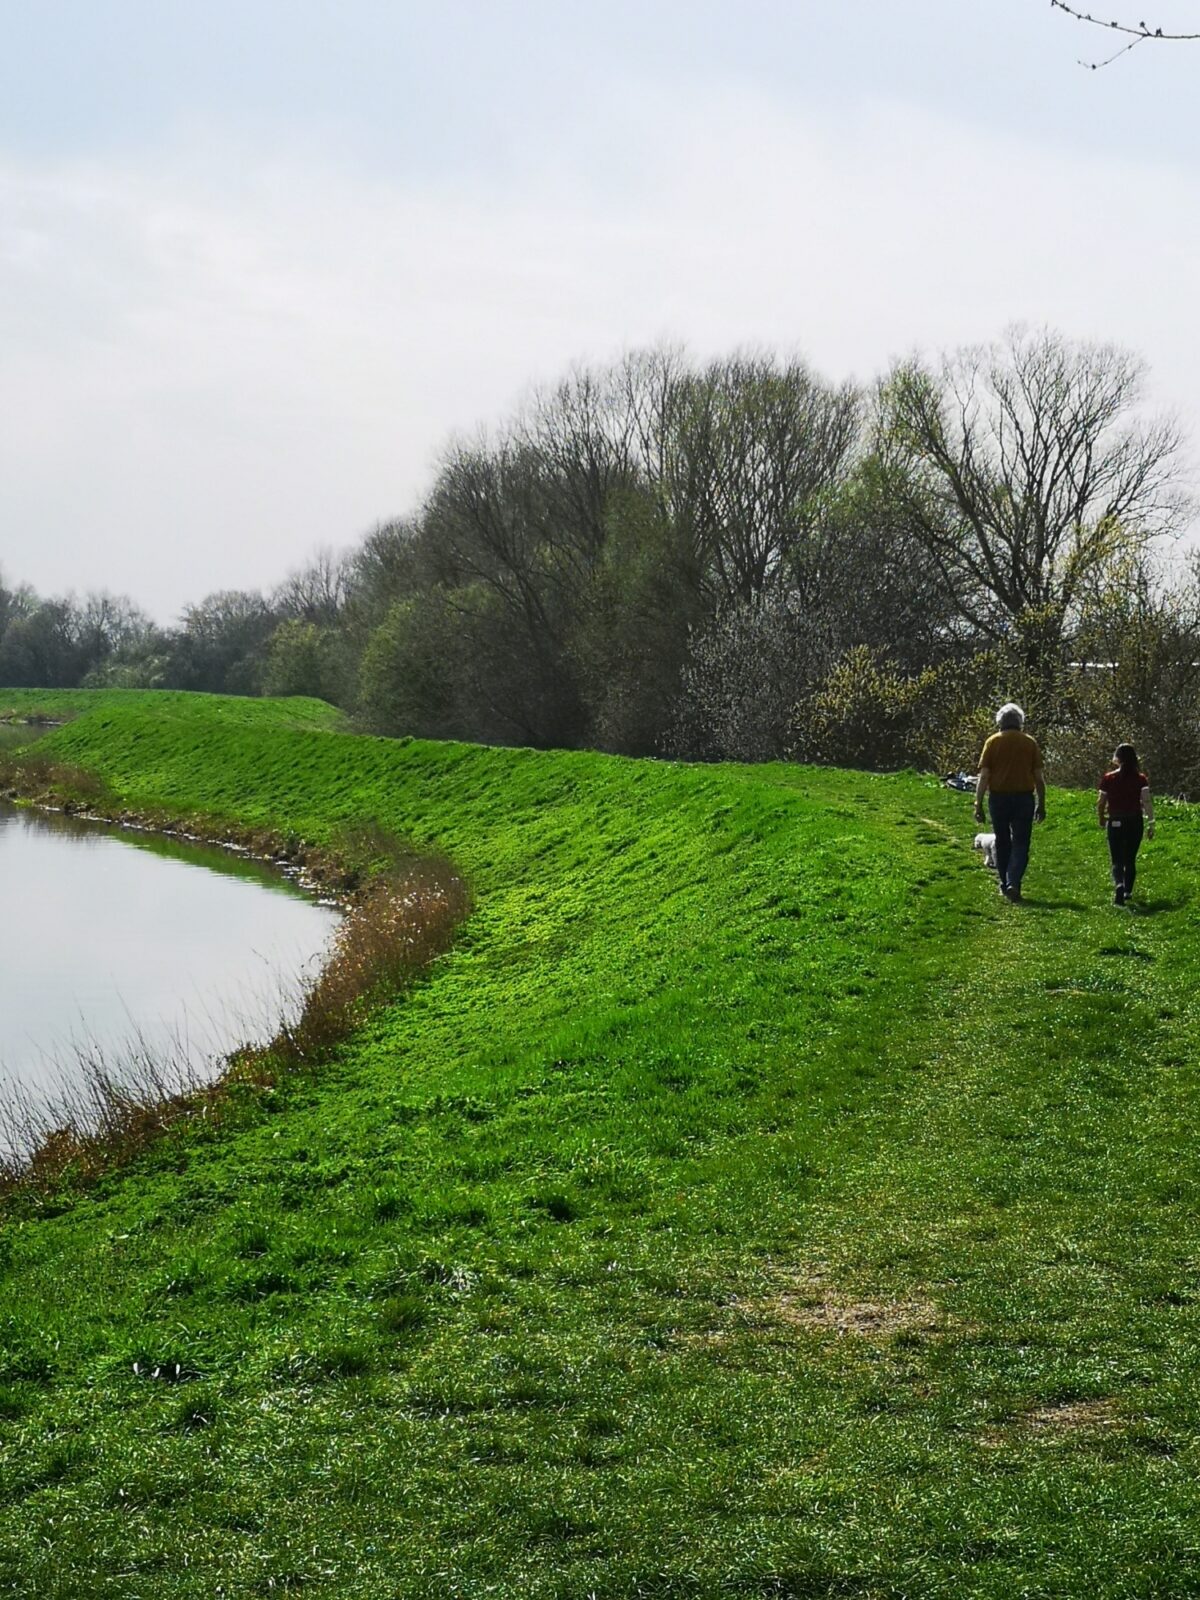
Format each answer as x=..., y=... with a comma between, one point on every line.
x=1010, y=715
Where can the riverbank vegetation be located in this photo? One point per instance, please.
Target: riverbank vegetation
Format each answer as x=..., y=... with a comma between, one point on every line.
x=739, y=559
x=751, y=1203
x=402, y=908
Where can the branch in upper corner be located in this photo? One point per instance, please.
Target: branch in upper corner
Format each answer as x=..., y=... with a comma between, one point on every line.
x=1138, y=33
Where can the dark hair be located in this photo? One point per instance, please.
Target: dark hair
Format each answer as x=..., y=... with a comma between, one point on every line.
x=1127, y=757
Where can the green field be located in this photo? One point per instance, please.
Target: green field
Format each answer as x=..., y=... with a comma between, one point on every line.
x=752, y=1204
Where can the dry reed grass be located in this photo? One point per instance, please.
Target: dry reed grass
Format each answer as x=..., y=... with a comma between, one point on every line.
x=101, y=1113
x=35, y=774
x=397, y=926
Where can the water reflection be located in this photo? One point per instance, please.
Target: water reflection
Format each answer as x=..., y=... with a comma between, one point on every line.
x=108, y=936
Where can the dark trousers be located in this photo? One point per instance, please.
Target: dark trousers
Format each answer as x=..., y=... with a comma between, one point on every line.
x=1124, y=841
x=1012, y=822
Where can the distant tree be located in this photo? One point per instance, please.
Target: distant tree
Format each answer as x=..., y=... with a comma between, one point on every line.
x=299, y=659
x=408, y=675
x=1022, y=470
x=315, y=592
x=868, y=711
x=620, y=510
x=863, y=576
x=123, y=647
x=734, y=559
x=221, y=646
x=113, y=625
x=1137, y=671
x=635, y=614
x=744, y=675
x=64, y=642
x=517, y=527
x=148, y=669
x=754, y=446
x=387, y=566
x=15, y=604
x=42, y=648
x=855, y=577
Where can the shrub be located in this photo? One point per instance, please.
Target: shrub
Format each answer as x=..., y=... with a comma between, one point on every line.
x=863, y=714
x=867, y=712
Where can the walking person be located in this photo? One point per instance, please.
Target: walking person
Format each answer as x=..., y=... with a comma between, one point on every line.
x=1125, y=809
x=1012, y=777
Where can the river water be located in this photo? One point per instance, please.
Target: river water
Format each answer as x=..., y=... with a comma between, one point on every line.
x=116, y=943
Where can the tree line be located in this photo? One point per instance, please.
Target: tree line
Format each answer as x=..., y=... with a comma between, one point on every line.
x=738, y=559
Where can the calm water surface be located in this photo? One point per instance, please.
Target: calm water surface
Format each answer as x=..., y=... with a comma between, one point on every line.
x=109, y=938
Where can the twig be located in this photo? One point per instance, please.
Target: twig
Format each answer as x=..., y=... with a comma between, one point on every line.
x=1138, y=33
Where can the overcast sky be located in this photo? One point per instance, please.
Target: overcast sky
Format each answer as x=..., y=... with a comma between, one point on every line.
x=260, y=258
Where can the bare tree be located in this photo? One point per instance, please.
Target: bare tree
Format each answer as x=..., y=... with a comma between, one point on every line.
x=110, y=624
x=756, y=445
x=1023, y=468
x=316, y=592
x=221, y=645
x=483, y=525
x=1133, y=33
x=15, y=603
x=584, y=440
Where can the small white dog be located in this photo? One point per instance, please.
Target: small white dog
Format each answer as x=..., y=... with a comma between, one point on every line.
x=987, y=843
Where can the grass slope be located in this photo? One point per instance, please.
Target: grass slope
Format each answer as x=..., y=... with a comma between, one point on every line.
x=753, y=1204
x=56, y=704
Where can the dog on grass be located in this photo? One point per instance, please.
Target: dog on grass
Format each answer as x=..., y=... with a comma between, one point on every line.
x=987, y=843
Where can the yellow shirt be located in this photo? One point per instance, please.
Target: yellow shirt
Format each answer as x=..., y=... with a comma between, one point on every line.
x=1013, y=761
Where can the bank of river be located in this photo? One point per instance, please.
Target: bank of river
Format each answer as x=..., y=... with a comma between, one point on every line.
x=15, y=734
x=121, y=943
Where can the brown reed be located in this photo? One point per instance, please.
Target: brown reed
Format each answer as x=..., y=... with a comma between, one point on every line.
x=396, y=927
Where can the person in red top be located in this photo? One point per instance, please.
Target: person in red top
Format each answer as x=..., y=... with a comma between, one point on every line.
x=1123, y=806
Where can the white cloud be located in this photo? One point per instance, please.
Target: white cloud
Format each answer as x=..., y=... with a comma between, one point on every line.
x=214, y=365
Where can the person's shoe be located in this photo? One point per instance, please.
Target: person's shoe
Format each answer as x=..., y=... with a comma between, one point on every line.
x=1014, y=895
x=1119, y=898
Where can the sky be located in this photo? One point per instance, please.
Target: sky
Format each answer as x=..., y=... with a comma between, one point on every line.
x=260, y=260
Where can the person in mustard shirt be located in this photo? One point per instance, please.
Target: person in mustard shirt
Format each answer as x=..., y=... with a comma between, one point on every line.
x=1011, y=775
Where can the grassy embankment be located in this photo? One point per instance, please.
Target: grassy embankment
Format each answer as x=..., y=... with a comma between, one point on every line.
x=751, y=1204
x=61, y=705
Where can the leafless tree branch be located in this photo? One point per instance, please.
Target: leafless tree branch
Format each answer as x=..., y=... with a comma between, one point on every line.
x=1137, y=33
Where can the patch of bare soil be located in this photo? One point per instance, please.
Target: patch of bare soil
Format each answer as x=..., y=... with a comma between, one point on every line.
x=1057, y=1421
x=817, y=1306
x=1073, y=1416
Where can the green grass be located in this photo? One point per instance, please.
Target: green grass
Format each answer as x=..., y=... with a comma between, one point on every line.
x=58, y=704
x=753, y=1204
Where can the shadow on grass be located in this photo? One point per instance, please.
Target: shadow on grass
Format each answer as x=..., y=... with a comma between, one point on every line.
x=1154, y=908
